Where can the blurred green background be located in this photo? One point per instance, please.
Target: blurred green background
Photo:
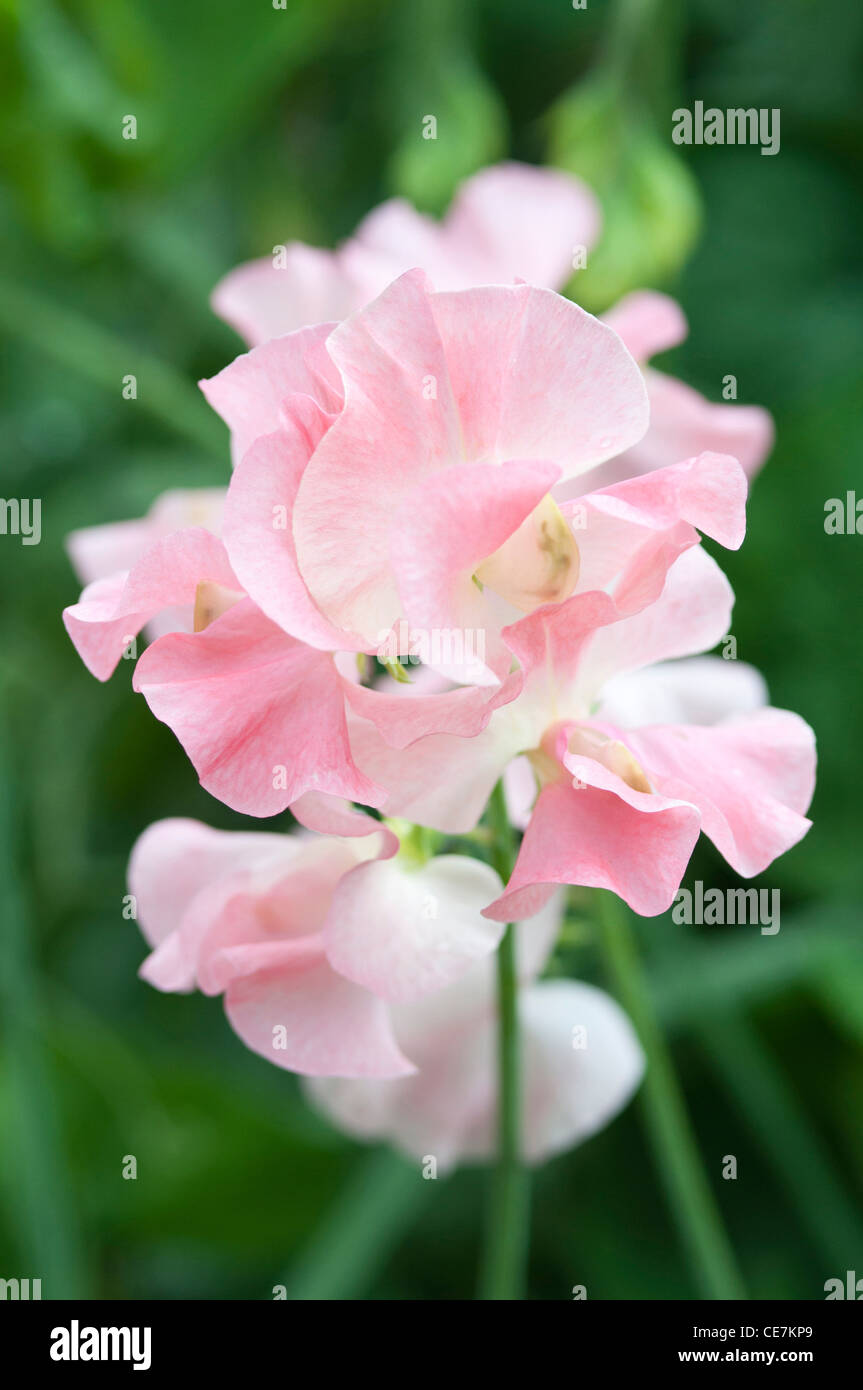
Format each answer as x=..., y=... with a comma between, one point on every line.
x=256, y=125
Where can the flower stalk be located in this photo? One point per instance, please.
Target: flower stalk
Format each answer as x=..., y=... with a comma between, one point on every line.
x=507, y=1236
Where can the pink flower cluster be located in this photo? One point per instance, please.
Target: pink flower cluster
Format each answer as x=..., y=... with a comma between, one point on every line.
x=468, y=466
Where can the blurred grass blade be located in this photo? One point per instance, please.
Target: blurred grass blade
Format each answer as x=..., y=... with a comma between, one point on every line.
x=363, y=1227
x=39, y=1186
x=824, y=938
x=104, y=357
x=668, y=1127
x=789, y=1141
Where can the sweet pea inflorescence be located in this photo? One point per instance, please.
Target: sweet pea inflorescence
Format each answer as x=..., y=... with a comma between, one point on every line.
x=435, y=451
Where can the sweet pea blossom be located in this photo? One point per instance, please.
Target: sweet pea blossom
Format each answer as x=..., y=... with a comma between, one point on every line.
x=506, y=222
x=360, y=502
x=581, y=1062
x=631, y=756
x=312, y=940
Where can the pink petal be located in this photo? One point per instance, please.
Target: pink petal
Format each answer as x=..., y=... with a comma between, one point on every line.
x=174, y=859
x=509, y=348
x=517, y=221
x=683, y=423
x=601, y=835
x=442, y=534
x=329, y=1026
x=440, y=780
x=251, y=393
x=708, y=491
x=751, y=778
x=434, y=380
x=258, y=526
x=390, y=435
x=253, y=707
x=112, y=611
x=648, y=323
x=691, y=615
x=262, y=301
x=330, y=815
x=403, y=718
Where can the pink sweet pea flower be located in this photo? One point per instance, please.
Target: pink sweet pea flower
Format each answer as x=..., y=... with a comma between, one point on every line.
x=620, y=806
x=581, y=1062
x=423, y=502
x=258, y=694
x=313, y=941
x=506, y=222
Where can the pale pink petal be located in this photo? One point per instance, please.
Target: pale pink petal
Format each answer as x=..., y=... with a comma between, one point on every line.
x=510, y=220
x=259, y=532
x=311, y=1020
x=510, y=348
x=683, y=423
x=174, y=859
x=251, y=393
x=443, y=532
x=402, y=718
x=691, y=615
x=648, y=323
x=440, y=781
x=403, y=934
x=260, y=715
x=99, y=552
x=751, y=778
x=438, y=1033
x=520, y=789
x=262, y=300
x=515, y=221
x=391, y=239
x=332, y=815
x=112, y=611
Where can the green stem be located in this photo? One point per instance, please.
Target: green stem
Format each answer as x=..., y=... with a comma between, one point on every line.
x=668, y=1126
x=507, y=1237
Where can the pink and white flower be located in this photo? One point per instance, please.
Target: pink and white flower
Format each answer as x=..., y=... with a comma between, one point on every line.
x=312, y=940
x=632, y=751
x=506, y=222
x=581, y=1063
